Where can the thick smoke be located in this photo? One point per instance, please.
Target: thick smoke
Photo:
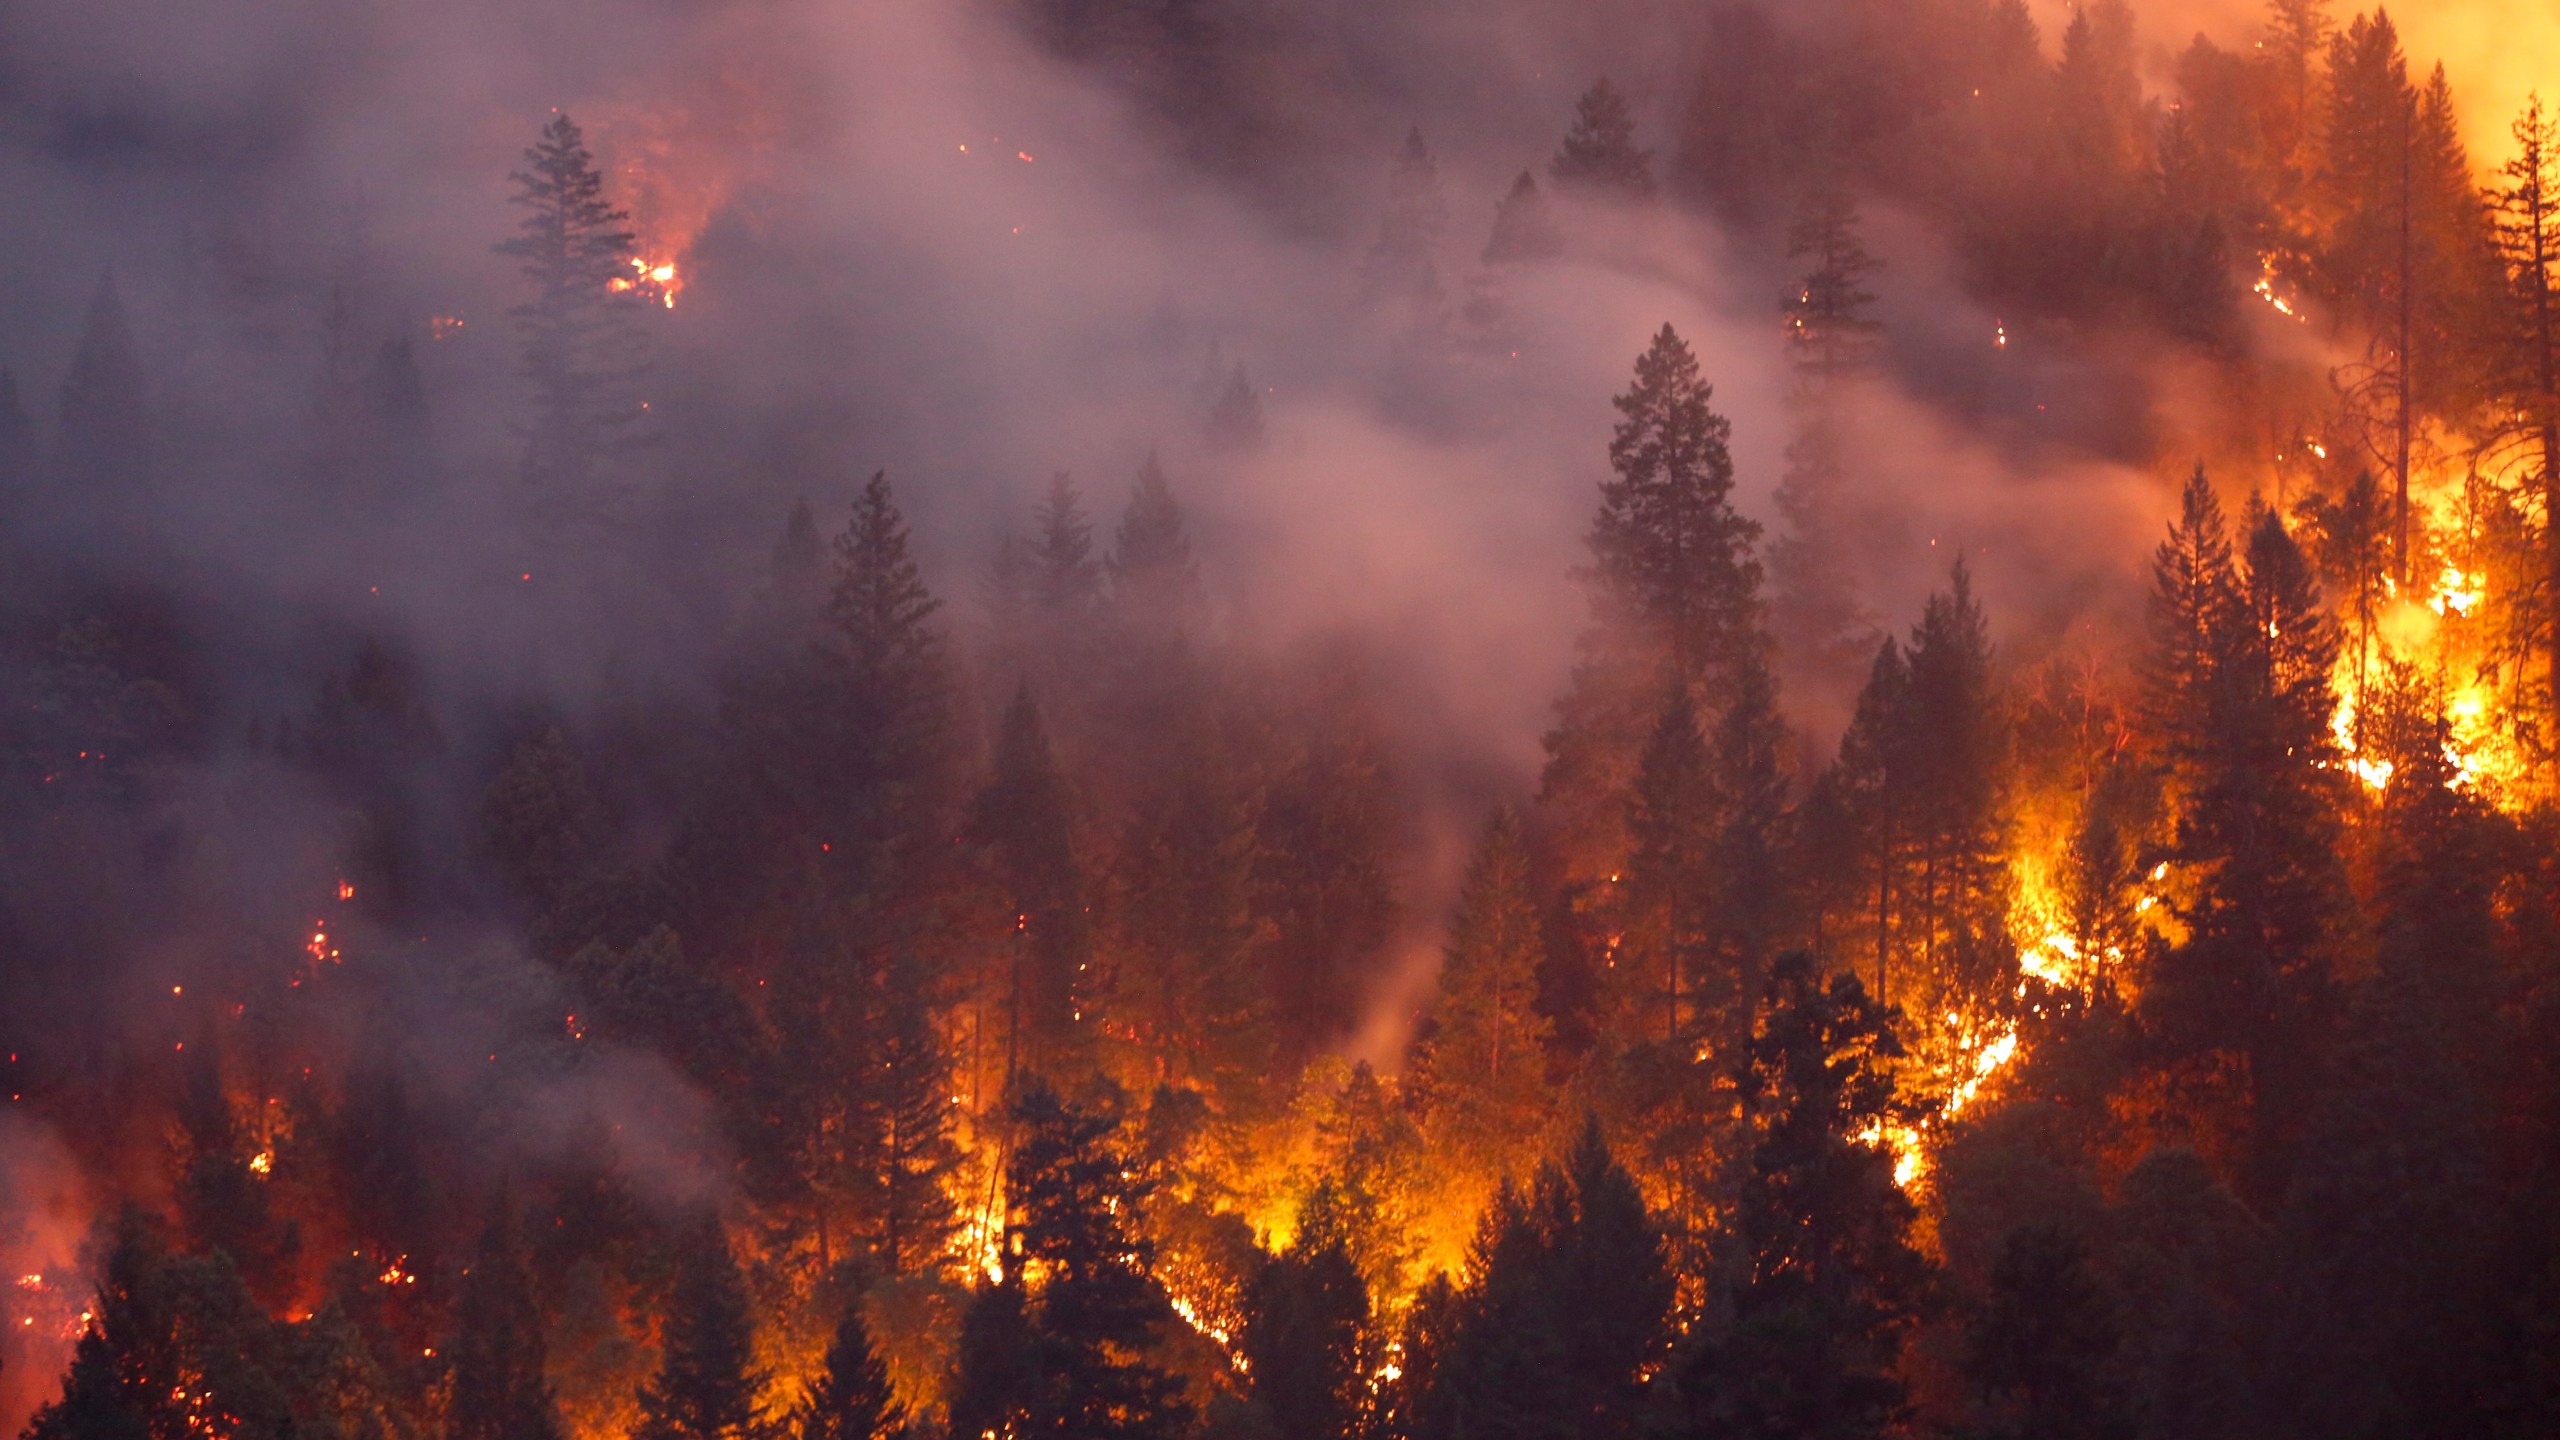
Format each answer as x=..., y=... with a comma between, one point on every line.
x=909, y=240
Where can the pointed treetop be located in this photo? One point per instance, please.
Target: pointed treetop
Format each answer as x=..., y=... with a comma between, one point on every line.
x=1599, y=155
x=1524, y=228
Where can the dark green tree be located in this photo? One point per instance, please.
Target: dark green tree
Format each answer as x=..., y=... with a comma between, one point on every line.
x=1598, y=156
x=1828, y=1280
x=496, y=1356
x=1669, y=880
x=1524, y=226
x=907, y=1100
x=1482, y=1066
x=1026, y=819
x=1096, y=1310
x=851, y=1398
x=1831, y=339
x=2042, y=1348
x=584, y=352
x=1306, y=1334
x=706, y=1385
x=1674, y=597
x=2527, y=211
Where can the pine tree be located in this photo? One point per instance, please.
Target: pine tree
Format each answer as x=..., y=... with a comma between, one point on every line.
x=2042, y=1351
x=992, y=1376
x=96, y=1402
x=496, y=1355
x=223, y=1178
x=891, y=690
x=1320, y=877
x=1748, y=905
x=1524, y=226
x=541, y=828
x=1234, y=422
x=126, y=1372
x=1669, y=879
x=2527, y=206
x=1599, y=157
x=1155, y=583
x=1829, y=1280
x=1674, y=597
x=1566, y=1310
x=1958, y=751
x=1871, y=781
x=851, y=1398
x=706, y=1384
x=1026, y=818
x=1831, y=340
x=2259, y=825
x=1066, y=580
x=583, y=350
x=907, y=1099
x=2385, y=1324
x=17, y=442
x=1096, y=1309
x=1306, y=1332
x=1182, y=980
x=1482, y=1067
x=1403, y=267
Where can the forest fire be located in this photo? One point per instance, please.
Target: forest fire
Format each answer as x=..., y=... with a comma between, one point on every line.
x=1335, y=934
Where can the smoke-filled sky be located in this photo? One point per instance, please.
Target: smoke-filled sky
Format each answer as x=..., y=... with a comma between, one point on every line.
x=907, y=241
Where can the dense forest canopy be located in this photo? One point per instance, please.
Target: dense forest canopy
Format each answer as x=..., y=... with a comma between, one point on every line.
x=1096, y=718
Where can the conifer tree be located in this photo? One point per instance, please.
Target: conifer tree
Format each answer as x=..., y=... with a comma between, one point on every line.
x=1026, y=818
x=992, y=1374
x=1598, y=156
x=706, y=1384
x=499, y=1389
x=1831, y=340
x=1234, y=422
x=1958, y=753
x=1066, y=579
x=1403, y=267
x=851, y=1398
x=1320, y=878
x=1566, y=1309
x=583, y=350
x=17, y=441
x=1748, y=905
x=891, y=690
x=2384, y=1326
x=2527, y=207
x=907, y=1099
x=541, y=827
x=1829, y=1280
x=2043, y=1348
x=96, y=1403
x=1306, y=1332
x=1096, y=1308
x=1156, y=595
x=1482, y=1068
x=223, y=1186
x=1669, y=879
x=1182, y=978
x=1674, y=597
x=2259, y=825
x=1524, y=227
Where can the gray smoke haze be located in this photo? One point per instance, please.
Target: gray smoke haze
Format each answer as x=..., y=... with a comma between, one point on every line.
x=907, y=240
